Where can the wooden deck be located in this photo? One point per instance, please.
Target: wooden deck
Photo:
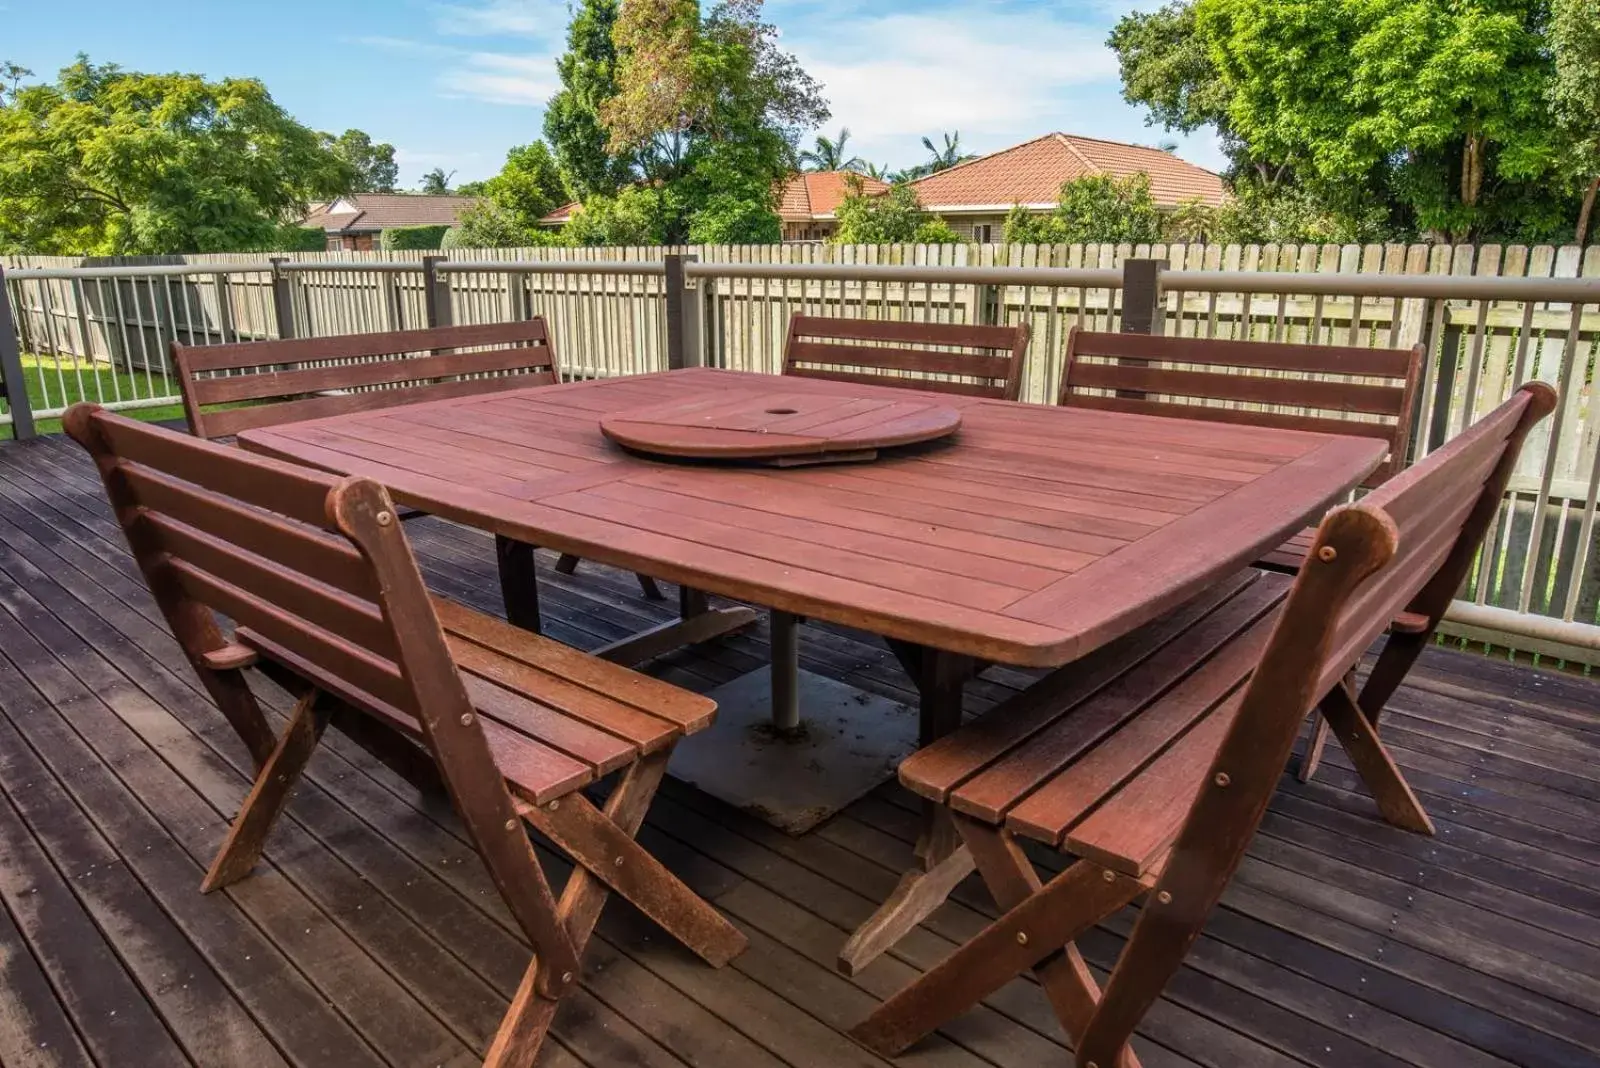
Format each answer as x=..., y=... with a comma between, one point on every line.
x=370, y=937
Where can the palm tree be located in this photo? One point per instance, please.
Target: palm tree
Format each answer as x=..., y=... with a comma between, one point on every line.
x=829, y=155
x=880, y=171
x=946, y=157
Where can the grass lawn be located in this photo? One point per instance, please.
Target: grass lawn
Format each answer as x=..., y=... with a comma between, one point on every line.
x=87, y=380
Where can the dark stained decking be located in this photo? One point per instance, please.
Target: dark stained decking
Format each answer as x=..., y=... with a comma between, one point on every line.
x=369, y=936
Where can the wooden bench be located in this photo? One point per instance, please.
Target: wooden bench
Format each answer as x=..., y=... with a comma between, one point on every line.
x=292, y=380
x=984, y=361
x=317, y=577
x=1151, y=763
x=1331, y=389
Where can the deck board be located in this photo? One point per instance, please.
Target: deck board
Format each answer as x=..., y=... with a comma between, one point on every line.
x=369, y=934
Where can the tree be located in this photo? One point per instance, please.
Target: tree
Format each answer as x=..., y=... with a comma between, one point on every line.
x=709, y=106
x=1095, y=207
x=373, y=164
x=729, y=220
x=12, y=74
x=945, y=156
x=112, y=161
x=1439, y=104
x=1575, y=97
x=635, y=216
x=828, y=155
x=436, y=182
x=887, y=218
x=487, y=224
x=572, y=123
x=529, y=186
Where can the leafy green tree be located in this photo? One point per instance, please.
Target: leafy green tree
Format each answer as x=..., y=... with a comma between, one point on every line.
x=709, y=105
x=1095, y=207
x=892, y=217
x=412, y=237
x=572, y=126
x=487, y=224
x=829, y=155
x=11, y=74
x=634, y=216
x=112, y=161
x=1440, y=104
x=529, y=186
x=729, y=220
x=1575, y=97
x=373, y=164
x=436, y=182
x=1259, y=214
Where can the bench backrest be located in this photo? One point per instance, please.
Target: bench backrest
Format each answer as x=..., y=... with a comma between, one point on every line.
x=984, y=361
x=317, y=569
x=287, y=381
x=1328, y=388
x=1407, y=545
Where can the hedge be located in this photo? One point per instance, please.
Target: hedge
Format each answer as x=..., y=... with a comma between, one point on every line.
x=412, y=237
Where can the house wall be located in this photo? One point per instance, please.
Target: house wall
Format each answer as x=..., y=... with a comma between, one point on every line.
x=809, y=230
x=968, y=225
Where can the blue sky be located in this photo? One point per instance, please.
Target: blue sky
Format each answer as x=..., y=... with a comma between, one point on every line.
x=454, y=83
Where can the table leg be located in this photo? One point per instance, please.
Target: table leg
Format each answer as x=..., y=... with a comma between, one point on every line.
x=785, y=672
x=697, y=622
x=519, y=582
x=942, y=860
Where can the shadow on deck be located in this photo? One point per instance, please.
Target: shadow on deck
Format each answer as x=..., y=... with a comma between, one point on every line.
x=369, y=935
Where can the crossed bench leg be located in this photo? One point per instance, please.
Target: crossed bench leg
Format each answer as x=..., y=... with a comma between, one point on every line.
x=1037, y=931
x=600, y=840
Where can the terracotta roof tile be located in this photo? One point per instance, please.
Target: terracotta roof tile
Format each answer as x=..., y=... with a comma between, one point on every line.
x=382, y=211
x=1032, y=173
x=818, y=193
x=561, y=214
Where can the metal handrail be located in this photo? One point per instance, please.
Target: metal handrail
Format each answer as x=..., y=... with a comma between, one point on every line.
x=1403, y=286
x=1089, y=277
x=22, y=274
x=611, y=267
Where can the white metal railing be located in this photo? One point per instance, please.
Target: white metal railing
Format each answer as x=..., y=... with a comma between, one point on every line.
x=101, y=333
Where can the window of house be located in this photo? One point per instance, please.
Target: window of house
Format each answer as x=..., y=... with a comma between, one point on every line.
x=983, y=233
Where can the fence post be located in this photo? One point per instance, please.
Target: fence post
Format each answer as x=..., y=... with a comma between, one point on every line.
x=681, y=317
x=436, y=292
x=16, y=387
x=282, y=298
x=1142, y=297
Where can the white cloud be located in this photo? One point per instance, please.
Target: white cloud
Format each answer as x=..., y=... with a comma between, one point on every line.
x=999, y=73
x=522, y=18
x=497, y=78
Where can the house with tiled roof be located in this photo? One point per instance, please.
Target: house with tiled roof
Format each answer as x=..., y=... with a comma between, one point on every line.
x=358, y=221
x=808, y=202
x=560, y=216
x=974, y=197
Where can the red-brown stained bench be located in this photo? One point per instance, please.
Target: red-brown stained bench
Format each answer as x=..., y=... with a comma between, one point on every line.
x=311, y=378
x=1151, y=763
x=978, y=361
x=318, y=578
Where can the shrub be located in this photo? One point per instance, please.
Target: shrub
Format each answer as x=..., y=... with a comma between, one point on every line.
x=397, y=238
x=296, y=238
x=730, y=220
x=887, y=218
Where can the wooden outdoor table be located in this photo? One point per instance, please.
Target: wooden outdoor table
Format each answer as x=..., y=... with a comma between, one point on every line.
x=1032, y=536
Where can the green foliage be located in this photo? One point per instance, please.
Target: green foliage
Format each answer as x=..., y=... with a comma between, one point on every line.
x=488, y=225
x=292, y=237
x=372, y=164
x=944, y=156
x=1259, y=214
x=887, y=218
x=709, y=105
x=572, y=123
x=729, y=220
x=1438, y=105
x=106, y=161
x=397, y=238
x=436, y=182
x=1575, y=98
x=529, y=186
x=1095, y=207
x=635, y=216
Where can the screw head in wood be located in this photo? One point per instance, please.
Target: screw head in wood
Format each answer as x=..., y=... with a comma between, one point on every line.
x=1164, y=897
x=511, y=825
x=466, y=719
x=384, y=518
x=1222, y=778
x=1327, y=554
x=566, y=977
x=1109, y=876
x=554, y=805
x=1022, y=938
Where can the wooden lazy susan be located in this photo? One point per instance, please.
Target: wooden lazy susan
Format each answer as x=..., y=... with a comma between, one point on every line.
x=780, y=427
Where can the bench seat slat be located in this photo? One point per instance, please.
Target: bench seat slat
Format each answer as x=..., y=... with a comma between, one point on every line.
x=956, y=358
